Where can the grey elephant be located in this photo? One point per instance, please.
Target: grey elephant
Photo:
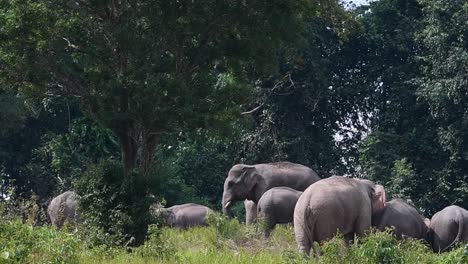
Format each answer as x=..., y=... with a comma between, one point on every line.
x=336, y=204
x=185, y=215
x=250, y=212
x=448, y=227
x=404, y=218
x=64, y=208
x=252, y=181
x=276, y=206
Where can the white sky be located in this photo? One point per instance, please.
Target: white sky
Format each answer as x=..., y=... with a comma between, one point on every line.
x=358, y=2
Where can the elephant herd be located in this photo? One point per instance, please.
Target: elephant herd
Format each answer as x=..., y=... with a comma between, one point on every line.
x=285, y=192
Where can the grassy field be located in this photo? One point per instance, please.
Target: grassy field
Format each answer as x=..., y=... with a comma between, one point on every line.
x=223, y=242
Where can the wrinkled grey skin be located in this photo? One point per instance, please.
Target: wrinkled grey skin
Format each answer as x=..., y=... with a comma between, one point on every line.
x=185, y=215
x=250, y=212
x=252, y=181
x=404, y=218
x=449, y=227
x=64, y=208
x=276, y=207
x=336, y=204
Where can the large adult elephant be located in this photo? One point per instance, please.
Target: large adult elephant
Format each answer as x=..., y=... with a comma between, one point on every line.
x=251, y=181
x=336, y=204
x=277, y=207
x=404, y=218
x=448, y=227
x=185, y=215
x=64, y=208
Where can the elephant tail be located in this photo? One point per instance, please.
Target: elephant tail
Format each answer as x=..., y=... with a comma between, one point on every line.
x=459, y=220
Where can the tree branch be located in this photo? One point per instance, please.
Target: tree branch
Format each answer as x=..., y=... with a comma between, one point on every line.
x=253, y=110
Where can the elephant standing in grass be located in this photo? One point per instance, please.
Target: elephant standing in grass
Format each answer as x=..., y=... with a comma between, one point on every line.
x=250, y=212
x=251, y=182
x=276, y=207
x=64, y=208
x=336, y=204
x=404, y=218
x=185, y=215
x=448, y=227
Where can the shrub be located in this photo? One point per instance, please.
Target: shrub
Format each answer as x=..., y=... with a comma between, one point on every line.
x=379, y=247
x=115, y=204
x=29, y=210
x=156, y=246
x=23, y=243
x=226, y=228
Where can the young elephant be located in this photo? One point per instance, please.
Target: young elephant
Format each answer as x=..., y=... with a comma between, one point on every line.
x=251, y=181
x=449, y=227
x=277, y=207
x=185, y=215
x=336, y=204
x=63, y=207
x=404, y=218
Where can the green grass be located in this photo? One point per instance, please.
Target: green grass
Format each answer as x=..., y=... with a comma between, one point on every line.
x=223, y=242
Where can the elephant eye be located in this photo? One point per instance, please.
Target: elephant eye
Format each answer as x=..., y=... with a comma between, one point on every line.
x=230, y=184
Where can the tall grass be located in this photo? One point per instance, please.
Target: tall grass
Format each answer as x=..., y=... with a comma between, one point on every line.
x=224, y=241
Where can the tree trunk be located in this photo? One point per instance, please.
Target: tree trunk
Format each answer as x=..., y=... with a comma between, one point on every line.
x=129, y=152
x=149, y=144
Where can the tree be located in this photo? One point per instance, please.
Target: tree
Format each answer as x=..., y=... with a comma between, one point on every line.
x=401, y=149
x=143, y=68
x=443, y=85
x=299, y=109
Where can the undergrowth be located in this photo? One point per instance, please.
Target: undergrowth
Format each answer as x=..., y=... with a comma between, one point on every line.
x=224, y=241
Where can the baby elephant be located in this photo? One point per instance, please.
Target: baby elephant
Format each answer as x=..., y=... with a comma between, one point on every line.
x=449, y=227
x=276, y=206
x=63, y=208
x=185, y=215
x=404, y=218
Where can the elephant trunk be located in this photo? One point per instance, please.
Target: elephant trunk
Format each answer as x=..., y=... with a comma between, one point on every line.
x=227, y=203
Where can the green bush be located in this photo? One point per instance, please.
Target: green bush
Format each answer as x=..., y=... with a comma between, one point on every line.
x=23, y=243
x=115, y=206
x=380, y=247
x=226, y=228
x=156, y=247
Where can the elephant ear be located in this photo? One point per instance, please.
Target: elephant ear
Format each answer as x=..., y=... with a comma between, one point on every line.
x=378, y=198
x=247, y=170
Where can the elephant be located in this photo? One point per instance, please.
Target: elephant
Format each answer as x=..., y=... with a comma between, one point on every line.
x=276, y=206
x=250, y=212
x=252, y=181
x=448, y=227
x=336, y=204
x=64, y=208
x=185, y=215
x=406, y=220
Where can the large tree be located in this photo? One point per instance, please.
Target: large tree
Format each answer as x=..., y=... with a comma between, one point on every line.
x=144, y=68
x=443, y=84
x=401, y=149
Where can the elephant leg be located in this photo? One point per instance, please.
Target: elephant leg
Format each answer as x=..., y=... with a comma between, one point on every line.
x=269, y=226
x=361, y=225
x=250, y=212
x=349, y=237
x=302, y=240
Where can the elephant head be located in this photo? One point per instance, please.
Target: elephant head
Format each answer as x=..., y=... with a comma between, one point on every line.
x=377, y=194
x=167, y=215
x=239, y=185
x=164, y=214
